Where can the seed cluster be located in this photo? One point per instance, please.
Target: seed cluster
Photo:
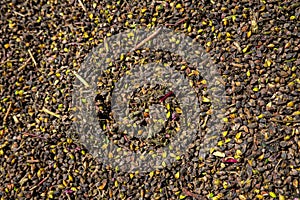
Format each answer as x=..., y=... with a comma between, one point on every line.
x=255, y=45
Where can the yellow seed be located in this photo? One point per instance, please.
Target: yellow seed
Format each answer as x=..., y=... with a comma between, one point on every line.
x=287, y=137
x=116, y=183
x=85, y=35
x=249, y=34
x=238, y=152
x=296, y=113
x=261, y=157
x=183, y=67
x=71, y=156
x=269, y=105
x=238, y=135
x=267, y=63
x=110, y=155
x=260, y=116
x=39, y=173
x=290, y=104
x=65, y=183
x=168, y=115
x=217, y=182
x=178, y=110
x=225, y=184
x=272, y=194
x=242, y=197
x=168, y=106
x=208, y=44
x=245, y=49
x=69, y=140
x=151, y=174
x=178, y=6
x=50, y=194
x=70, y=178
x=177, y=175
x=233, y=18
x=270, y=45
x=281, y=197
x=11, y=25
x=212, y=28
x=220, y=143
x=205, y=100
x=287, y=45
x=164, y=154
x=225, y=133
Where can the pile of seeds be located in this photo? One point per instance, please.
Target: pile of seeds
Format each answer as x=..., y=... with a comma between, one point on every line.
x=255, y=45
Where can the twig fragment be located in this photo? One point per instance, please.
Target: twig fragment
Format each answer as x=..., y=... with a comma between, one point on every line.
x=178, y=22
x=95, y=171
x=274, y=140
x=19, y=14
x=33, y=135
x=150, y=37
x=41, y=182
x=82, y=5
x=276, y=167
x=7, y=113
x=32, y=58
x=191, y=194
x=32, y=161
x=81, y=79
x=23, y=66
x=237, y=65
x=50, y=113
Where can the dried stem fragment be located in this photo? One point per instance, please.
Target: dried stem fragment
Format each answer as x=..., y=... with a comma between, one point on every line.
x=81, y=79
x=41, y=182
x=82, y=5
x=150, y=37
x=32, y=57
x=191, y=194
x=50, y=113
x=178, y=22
x=23, y=66
x=19, y=14
x=7, y=113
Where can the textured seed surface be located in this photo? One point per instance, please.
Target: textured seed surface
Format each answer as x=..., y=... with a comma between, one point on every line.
x=256, y=47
